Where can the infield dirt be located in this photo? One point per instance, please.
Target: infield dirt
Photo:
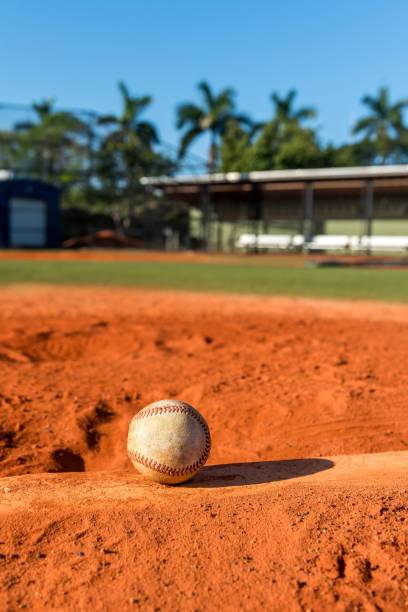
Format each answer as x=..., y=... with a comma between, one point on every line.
x=303, y=505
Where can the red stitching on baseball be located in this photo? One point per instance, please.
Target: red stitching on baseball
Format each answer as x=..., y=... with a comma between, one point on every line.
x=166, y=469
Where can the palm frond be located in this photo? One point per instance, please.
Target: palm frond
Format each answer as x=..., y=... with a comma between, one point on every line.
x=205, y=89
x=226, y=96
x=115, y=137
x=283, y=104
x=221, y=121
x=187, y=140
x=383, y=98
x=107, y=120
x=136, y=107
x=290, y=97
x=307, y=112
x=244, y=120
x=124, y=91
x=399, y=106
x=284, y=110
x=275, y=98
x=188, y=114
x=372, y=103
x=255, y=129
x=147, y=133
x=222, y=104
x=22, y=126
x=44, y=108
x=365, y=124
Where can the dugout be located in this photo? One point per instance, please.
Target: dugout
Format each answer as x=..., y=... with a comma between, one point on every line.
x=29, y=213
x=354, y=200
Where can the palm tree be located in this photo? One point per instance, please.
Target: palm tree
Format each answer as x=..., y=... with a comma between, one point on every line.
x=283, y=133
x=126, y=151
x=384, y=126
x=129, y=131
x=50, y=147
x=212, y=116
x=284, y=111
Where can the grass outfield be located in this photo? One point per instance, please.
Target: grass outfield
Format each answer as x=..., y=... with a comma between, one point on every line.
x=316, y=282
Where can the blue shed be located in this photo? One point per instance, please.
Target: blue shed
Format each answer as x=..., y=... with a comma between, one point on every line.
x=29, y=213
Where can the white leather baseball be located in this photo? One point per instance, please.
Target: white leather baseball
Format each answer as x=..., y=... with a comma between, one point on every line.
x=168, y=441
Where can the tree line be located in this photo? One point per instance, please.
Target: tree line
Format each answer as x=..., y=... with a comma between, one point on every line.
x=285, y=141
x=98, y=160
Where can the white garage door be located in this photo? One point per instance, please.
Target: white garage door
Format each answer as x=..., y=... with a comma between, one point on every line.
x=27, y=222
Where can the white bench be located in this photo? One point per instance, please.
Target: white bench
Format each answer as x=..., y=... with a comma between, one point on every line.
x=379, y=243
x=264, y=241
x=246, y=241
x=325, y=242
x=273, y=241
x=298, y=241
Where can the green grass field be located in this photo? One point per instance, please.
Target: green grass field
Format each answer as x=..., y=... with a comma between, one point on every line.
x=341, y=283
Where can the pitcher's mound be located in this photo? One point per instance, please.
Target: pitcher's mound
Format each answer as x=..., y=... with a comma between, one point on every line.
x=284, y=535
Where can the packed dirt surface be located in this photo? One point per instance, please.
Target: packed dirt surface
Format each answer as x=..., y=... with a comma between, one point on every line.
x=303, y=504
x=284, y=259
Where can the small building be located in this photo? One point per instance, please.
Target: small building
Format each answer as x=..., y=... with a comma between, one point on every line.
x=29, y=213
x=362, y=201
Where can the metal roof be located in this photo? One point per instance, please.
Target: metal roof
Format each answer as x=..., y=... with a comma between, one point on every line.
x=364, y=172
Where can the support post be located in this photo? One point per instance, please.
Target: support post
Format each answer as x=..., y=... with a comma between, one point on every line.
x=369, y=206
x=206, y=215
x=219, y=237
x=255, y=211
x=308, y=221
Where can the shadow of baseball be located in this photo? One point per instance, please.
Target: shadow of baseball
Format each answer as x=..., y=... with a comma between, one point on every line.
x=259, y=472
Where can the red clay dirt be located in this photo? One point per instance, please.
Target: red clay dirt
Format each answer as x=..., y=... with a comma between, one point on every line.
x=283, y=259
x=303, y=504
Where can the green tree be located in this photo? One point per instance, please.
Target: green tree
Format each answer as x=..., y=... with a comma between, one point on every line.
x=235, y=149
x=283, y=142
x=126, y=153
x=52, y=148
x=348, y=154
x=384, y=126
x=298, y=148
x=265, y=148
x=287, y=148
x=212, y=116
x=284, y=109
x=8, y=149
x=129, y=132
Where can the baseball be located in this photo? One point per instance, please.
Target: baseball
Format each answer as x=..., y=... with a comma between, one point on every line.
x=168, y=441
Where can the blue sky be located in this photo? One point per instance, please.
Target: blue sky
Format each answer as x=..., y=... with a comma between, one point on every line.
x=331, y=52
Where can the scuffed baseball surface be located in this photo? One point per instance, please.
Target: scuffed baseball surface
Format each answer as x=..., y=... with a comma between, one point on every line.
x=168, y=441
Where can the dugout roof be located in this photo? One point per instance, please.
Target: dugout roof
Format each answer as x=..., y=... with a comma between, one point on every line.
x=329, y=180
x=352, y=192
